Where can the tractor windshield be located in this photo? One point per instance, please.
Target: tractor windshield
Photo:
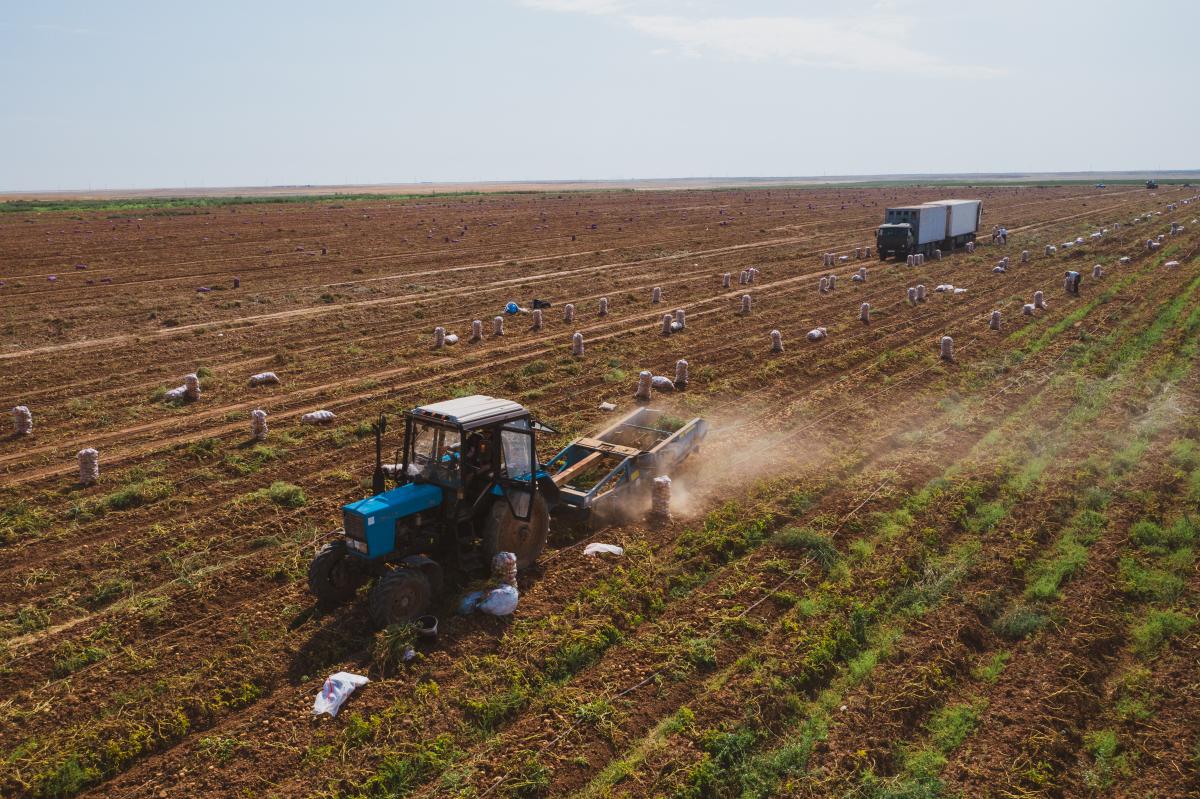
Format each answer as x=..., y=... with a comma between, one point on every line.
x=518, y=451
x=434, y=453
x=516, y=439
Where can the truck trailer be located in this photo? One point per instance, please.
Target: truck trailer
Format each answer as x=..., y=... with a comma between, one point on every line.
x=962, y=221
x=942, y=224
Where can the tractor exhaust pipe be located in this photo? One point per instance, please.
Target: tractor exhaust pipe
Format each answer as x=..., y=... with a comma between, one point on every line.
x=377, y=485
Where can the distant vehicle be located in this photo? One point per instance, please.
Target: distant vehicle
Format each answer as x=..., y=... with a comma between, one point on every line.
x=1101, y=186
x=942, y=224
x=1152, y=184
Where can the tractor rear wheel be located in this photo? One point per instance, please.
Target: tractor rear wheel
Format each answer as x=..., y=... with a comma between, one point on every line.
x=430, y=568
x=332, y=576
x=400, y=596
x=506, y=533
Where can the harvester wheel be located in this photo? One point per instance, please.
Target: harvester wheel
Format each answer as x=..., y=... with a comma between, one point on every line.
x=400, y=596
x=332, y=578
x=505, y=533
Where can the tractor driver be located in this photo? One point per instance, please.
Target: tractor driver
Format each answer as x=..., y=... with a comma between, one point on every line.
x=477, y=460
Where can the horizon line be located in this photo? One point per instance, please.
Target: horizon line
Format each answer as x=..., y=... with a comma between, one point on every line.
x=533, y=184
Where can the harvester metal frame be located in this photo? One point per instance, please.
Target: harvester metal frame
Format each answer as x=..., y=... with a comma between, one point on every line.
x=630, y=453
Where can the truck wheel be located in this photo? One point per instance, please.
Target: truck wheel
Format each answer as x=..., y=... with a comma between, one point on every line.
x=399, y=597
x=506, y=533
x=332, y=577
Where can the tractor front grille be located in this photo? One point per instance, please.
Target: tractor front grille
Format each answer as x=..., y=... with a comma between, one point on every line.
x=355, y=526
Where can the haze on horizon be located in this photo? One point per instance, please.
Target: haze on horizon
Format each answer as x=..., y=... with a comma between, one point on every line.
x=140, y=95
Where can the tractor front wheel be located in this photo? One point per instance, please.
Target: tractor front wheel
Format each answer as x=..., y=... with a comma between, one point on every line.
x=332, y=576
x=400, y=596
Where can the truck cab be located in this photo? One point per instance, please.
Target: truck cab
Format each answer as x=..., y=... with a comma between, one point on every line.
x=894, y=237
x=898, y=233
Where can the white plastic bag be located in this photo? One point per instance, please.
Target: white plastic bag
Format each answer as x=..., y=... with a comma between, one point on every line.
x=335, y=691
x=264, y=379
x=500, y=601
x=609, y=549
x=470, y=602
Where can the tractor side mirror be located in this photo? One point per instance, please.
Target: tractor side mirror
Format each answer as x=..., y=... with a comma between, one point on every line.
x=377, y=479
x=541, y=426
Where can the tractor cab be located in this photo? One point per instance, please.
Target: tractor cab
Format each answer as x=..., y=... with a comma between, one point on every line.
x=471, y=445
x=464, y=486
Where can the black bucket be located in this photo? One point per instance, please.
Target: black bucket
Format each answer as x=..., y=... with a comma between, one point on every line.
x=427, y=627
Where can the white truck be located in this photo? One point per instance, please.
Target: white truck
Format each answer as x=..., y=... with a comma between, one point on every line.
x=942, y=224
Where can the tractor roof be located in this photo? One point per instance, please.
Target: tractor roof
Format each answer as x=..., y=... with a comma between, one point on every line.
x=473, y=411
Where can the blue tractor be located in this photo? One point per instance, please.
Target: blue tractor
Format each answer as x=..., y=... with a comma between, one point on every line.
x=467, y=486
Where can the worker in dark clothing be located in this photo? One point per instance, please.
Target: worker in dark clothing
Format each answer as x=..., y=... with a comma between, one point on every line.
x=1071, y=282
x=477, y=462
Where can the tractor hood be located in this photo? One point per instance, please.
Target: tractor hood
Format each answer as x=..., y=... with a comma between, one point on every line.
x=373, y=520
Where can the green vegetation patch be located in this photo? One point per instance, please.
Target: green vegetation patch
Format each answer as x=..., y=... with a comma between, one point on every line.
x=1158, y=627
x=818, y=545
x=287, y=495
x=1019, y=621
x=136, y=494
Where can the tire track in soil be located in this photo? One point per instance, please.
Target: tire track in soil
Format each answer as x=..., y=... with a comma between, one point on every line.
x=924, y=670
x=892, y=706
x=732, y=432
x=654, y=718
x=328, y=310
x=288, y=701
x=245, y=536
x=528, y=242
x=151, y=427
x=564, y=756
x=828, y=383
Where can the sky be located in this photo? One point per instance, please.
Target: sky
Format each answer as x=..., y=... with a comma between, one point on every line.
x=122, y=94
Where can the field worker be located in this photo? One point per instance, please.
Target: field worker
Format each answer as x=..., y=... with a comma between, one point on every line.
x=1073, y=281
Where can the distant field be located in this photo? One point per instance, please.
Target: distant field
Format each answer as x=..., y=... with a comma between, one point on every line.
x=888, y=576
x=137, y=199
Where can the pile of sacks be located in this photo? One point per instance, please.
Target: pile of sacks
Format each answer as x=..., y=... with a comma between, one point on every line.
x=501, y=600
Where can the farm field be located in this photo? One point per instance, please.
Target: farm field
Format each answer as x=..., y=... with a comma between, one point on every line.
x=888, y=575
